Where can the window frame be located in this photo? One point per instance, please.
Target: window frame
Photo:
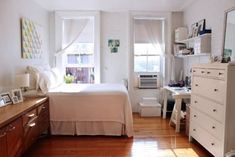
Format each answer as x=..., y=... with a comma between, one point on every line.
x=59, y=56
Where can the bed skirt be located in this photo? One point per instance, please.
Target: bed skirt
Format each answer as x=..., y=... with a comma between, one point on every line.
x=87, y=128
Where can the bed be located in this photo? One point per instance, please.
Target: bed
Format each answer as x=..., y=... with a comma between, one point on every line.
x=90, y=109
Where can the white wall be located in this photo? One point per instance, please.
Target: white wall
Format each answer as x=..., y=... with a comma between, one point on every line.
x=10, y=39
x=213, y=12
x=114, y=66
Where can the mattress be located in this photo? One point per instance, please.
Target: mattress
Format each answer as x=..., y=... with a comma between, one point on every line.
x=75, y=108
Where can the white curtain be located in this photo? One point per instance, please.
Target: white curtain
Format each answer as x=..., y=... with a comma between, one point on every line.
x=150, y=31
x=72, y=29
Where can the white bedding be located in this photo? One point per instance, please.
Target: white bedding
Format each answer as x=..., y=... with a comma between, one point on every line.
x=75, y=104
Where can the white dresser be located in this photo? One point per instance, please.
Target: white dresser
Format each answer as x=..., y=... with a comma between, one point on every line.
x=212, y=114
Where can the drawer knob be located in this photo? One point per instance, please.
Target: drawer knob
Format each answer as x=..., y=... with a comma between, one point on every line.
x=194, y=115
x=12, y=128
x=212, y=144
x=220, y=73
x=213, y=127
x=31, y=125
x=43, y=107
x=208, y=72
x=31, y=115
x=2, y=135
x=195, y=102
x=214, y=110
x=196, y=85
x=202, y=72
x=215, y=90
x=194, y=71
x=194, y=129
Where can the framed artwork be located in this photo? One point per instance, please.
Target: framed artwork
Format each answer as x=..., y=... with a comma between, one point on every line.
x=194, y=29
x=31, y=39
x=201, y=25
x=6, y=98
x=17, y=93
x=113, y=44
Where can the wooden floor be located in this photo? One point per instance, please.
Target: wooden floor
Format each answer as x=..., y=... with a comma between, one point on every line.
x=153, y=137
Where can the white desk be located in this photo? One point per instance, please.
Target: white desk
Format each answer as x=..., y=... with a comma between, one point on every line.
x=179, y=93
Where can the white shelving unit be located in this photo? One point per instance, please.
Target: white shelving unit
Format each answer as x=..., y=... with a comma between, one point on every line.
x=201, y=45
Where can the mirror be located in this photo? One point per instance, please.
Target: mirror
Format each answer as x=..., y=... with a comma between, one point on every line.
x=229, y=36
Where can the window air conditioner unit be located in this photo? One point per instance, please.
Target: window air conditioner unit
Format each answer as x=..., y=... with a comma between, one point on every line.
x=148, y=81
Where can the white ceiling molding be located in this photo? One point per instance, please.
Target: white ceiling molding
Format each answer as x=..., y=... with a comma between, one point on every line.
x=115, y=5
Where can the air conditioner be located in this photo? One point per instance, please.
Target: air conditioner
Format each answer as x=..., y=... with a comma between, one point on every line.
x=147, y=81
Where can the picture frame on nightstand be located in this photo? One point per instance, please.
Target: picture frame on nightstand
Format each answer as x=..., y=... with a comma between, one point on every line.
x=6, y=98
x=17, y=93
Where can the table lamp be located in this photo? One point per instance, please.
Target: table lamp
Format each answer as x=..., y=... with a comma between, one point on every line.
x=22, y=81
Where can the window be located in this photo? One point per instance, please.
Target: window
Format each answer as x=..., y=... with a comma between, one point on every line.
x=148, y=44
x=78, y=37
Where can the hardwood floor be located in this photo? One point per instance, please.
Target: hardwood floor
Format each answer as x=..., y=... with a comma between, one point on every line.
x=153, y=138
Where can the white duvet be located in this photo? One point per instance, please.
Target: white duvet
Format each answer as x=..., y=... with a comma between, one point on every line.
x=91, y=103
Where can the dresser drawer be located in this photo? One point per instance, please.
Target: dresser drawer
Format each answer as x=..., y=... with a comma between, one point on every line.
x=211, y=108
x=28, y=116
x=210, y=88
x=216, y=73
x=213, y=145
x=199, y=71
x=213, y=127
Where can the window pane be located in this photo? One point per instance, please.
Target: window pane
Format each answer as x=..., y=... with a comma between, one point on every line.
x=80, y=59
x=140, y=63
x=81, y=75
x=153, y=64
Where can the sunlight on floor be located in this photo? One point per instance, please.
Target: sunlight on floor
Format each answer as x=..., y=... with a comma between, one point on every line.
x=150, y=149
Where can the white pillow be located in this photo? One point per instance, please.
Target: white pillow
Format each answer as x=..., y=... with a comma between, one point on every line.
x=33, y=77
x=49, y=79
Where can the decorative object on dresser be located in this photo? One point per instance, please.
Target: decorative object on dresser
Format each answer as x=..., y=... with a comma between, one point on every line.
x=21, y=125
x=6, y=98
x=212, y=107
x=17, y=95
x=22, y=81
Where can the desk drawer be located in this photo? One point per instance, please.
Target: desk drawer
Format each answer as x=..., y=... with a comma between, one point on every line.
x=210, y=88
x=211, y=108
x=213, y=127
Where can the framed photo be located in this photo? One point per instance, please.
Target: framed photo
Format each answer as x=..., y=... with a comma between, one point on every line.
x=194, y=29
x=113, y=44
x=18, y=94
x=15, y=100
x=2, y=102
x=201, y=25
x=6, y=98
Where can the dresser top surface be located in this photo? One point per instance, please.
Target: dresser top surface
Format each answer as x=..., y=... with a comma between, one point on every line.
x=214, y=65
x=13, y=111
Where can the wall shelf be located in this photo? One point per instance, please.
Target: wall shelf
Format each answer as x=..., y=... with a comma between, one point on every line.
x=195, y=38
x=192, y=55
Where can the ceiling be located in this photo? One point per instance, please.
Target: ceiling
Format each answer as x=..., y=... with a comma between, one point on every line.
x=115, y=5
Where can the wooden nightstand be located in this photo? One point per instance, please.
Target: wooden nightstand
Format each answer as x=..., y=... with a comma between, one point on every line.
x=21, y=124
